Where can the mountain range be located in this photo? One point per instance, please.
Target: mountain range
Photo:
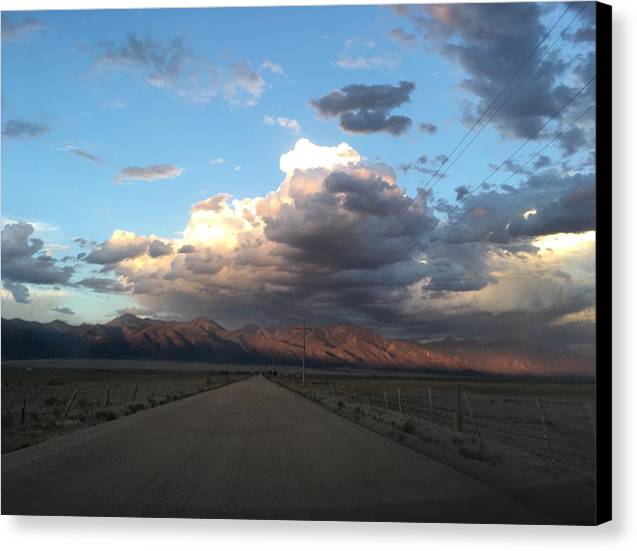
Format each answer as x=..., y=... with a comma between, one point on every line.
x=130, y=337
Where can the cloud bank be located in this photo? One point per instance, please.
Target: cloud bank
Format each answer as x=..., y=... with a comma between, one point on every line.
x=521, y=265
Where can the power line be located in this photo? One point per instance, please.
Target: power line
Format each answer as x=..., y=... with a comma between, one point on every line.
x=554, y=116
x=519, y=84
x=499, y=186
x=475, y=124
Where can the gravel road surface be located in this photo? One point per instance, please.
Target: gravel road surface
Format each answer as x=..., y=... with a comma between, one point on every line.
x=252, y=449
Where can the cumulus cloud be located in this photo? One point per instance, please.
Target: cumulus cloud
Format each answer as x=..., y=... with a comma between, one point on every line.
x=320, y=243
x=365, y=109
x=19, y=128
x=290, y=124
x=120, y=246
x=16, y=29
x=149, y=173
x=216, y=161
x=24, y=261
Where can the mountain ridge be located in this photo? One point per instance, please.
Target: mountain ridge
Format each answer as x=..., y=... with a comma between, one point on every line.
x=202, y=339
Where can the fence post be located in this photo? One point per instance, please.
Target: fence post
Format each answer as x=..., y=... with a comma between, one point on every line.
x=386, y=403
x=459, y=426
x=400, y=405
x=108, y=397
x=473, y=419
x=133, y=395
x=544, y=431
x=24, y=410
x=431, y=407
x=68, y=406
x=369, y=394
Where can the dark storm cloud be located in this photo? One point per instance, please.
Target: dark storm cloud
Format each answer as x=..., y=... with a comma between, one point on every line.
x=15, y=29
x=63, y=310
x=461, y=192
x=490, y=42
x=542, y=161
x=21, y=265
x=18, y=128
x=186, y=249
x=159, y=248
x=544, y=204
x=114, y=251
x=366, y=196
x=572, y=212
x=103, y=285
x=20, y=292
x=365, y=109
x=321, y=243
x=458, y=269
x=572, y=140
x=583, y=34
x=344, y=225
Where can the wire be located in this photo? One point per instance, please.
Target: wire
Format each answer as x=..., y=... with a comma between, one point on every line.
x=423, y=193
x=499, y=186
x=555, y=115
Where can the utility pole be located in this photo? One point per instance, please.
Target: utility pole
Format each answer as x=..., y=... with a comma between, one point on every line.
x=305, y=329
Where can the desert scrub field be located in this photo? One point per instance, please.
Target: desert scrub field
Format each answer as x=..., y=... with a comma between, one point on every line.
x=44, y=399
x=534, y=440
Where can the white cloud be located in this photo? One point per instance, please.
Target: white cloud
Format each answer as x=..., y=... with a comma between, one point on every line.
x=216, y=161
x=305, y=156
x=274, y=68
x=383, y=61
x=290, y=124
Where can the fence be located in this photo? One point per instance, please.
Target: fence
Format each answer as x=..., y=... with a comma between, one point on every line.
x=556, y=429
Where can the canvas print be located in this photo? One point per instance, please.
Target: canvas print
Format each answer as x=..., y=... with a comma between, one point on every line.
x=309, y=263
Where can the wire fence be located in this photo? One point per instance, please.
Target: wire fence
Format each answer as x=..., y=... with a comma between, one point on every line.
x=550, y=427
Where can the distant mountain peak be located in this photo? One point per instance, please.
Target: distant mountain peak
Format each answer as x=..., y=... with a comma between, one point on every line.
x=202, y=339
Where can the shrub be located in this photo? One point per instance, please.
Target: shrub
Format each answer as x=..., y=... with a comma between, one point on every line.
x=407, y=426
x=132, y=408
x=106, y=415
x=469, y=453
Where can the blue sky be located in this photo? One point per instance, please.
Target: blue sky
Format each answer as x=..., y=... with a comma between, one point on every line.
x=205, y=101
x=49, y=76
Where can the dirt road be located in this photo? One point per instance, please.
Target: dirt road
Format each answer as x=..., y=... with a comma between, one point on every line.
x=249, y=450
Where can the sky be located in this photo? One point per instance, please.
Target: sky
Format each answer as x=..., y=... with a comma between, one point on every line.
x=428, y=171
